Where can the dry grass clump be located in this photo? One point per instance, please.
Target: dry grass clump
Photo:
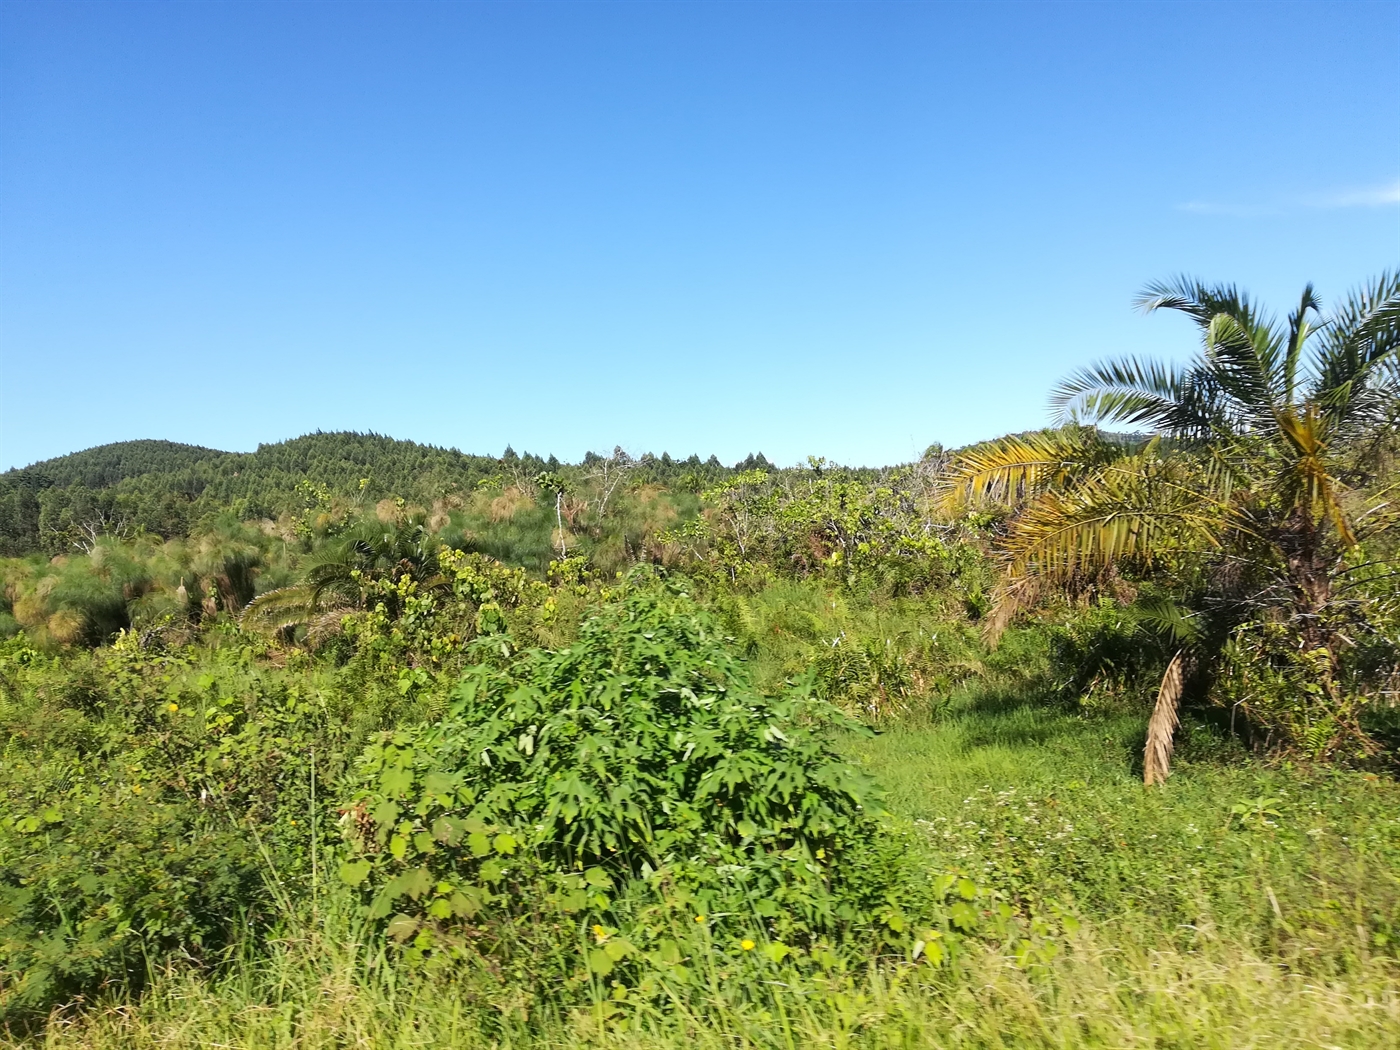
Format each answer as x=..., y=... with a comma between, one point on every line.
x=508, y=504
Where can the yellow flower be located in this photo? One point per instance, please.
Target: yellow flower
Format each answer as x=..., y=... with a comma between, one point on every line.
x=136, y=788
x=600, y=934
x=746, y=944
x=172, y=708
x=699, y=918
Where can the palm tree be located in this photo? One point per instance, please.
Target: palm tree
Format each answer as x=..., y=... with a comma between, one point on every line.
x=345, y=574
x=1248, y=466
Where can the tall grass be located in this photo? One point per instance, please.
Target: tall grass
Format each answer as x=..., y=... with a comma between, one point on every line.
x=318, y=992
x=1298, y=865
x=1198, y=927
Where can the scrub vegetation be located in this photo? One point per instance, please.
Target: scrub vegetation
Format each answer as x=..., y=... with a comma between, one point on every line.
x=1080, y=737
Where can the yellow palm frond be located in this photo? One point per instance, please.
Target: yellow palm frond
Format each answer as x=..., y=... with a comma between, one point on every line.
x=1140, y=508
x=1019, y=467
x=1305, y=482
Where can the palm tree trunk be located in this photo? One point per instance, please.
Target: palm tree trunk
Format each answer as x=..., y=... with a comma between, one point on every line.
x=1309, y=579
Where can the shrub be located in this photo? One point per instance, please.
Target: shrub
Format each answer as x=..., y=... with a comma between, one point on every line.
x=99, y=881
x=639, y=759
x=1105, y=653
x=148, y=813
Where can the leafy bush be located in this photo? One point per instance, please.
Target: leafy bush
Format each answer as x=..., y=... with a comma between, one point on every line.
x=103, y=881
x=1106, y=653
x=640, y=754
x=870, y=677
x=151, y=809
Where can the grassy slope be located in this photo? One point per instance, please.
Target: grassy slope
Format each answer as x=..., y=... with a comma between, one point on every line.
x=1045, y=805
x=1188, y=911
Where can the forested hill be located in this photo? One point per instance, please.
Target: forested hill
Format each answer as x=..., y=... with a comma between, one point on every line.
x=106, y=465
x=165, y=487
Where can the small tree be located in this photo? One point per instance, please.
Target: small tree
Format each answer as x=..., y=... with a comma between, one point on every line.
x=1258, y=449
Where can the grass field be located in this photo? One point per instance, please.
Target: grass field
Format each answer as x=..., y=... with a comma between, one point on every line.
x=1241, y=906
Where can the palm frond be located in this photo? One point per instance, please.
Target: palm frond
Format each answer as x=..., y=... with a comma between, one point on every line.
x=1016, y=468
x=1357, y=365
x=1201, y=302
x=1169, y=619
x=1128, y=390
x=1245, y=354
x=1304, y=481
x=1298, y=331
x=1161, y=728
x=1246, y=363
x=1140, y=509
x=277, y=610
x=1011, y=597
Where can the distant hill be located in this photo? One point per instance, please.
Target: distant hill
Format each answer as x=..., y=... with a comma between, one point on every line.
x=165, y=487
x=106, y=465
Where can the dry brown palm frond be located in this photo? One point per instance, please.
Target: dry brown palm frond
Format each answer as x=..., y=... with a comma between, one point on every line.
x=325, y=625
x=1157, y=753
x=1011, y=597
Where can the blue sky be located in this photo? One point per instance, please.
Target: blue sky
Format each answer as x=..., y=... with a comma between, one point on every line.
x=838, y=229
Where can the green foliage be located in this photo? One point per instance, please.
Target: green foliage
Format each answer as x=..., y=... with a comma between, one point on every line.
x=156, y=806
x=168, y=489
x=424, y=714
x=875, y=657
x=639, y=752
x=1107, y=654
x=1040, y=804
x=864, y=529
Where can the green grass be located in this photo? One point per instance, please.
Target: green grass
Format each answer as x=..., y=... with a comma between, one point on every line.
x=1047, y=806
x=1197, y=926
x=1097, y=997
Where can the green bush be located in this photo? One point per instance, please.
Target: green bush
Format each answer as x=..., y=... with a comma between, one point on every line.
x=153, y=807
x=1106, y=654
x=106, y=881
x=638, y=761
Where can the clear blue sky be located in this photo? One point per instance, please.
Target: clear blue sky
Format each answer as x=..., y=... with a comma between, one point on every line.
x=836, y=229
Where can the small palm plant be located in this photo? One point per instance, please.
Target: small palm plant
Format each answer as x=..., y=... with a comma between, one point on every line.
x=339, y=577
x=1246, y=477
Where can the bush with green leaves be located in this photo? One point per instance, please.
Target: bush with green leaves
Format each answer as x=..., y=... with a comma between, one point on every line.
x=637, y=761
x=1106, y=653
x=154, y=806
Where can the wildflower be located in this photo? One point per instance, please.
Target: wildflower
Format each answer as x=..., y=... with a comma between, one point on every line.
x=746, y=944
x=136, y=788
x=172, y=708
x=599, y=934
x=699, y=918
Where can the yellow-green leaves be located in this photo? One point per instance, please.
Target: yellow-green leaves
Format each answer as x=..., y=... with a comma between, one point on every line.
x=603, y=960
x=354, y=872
